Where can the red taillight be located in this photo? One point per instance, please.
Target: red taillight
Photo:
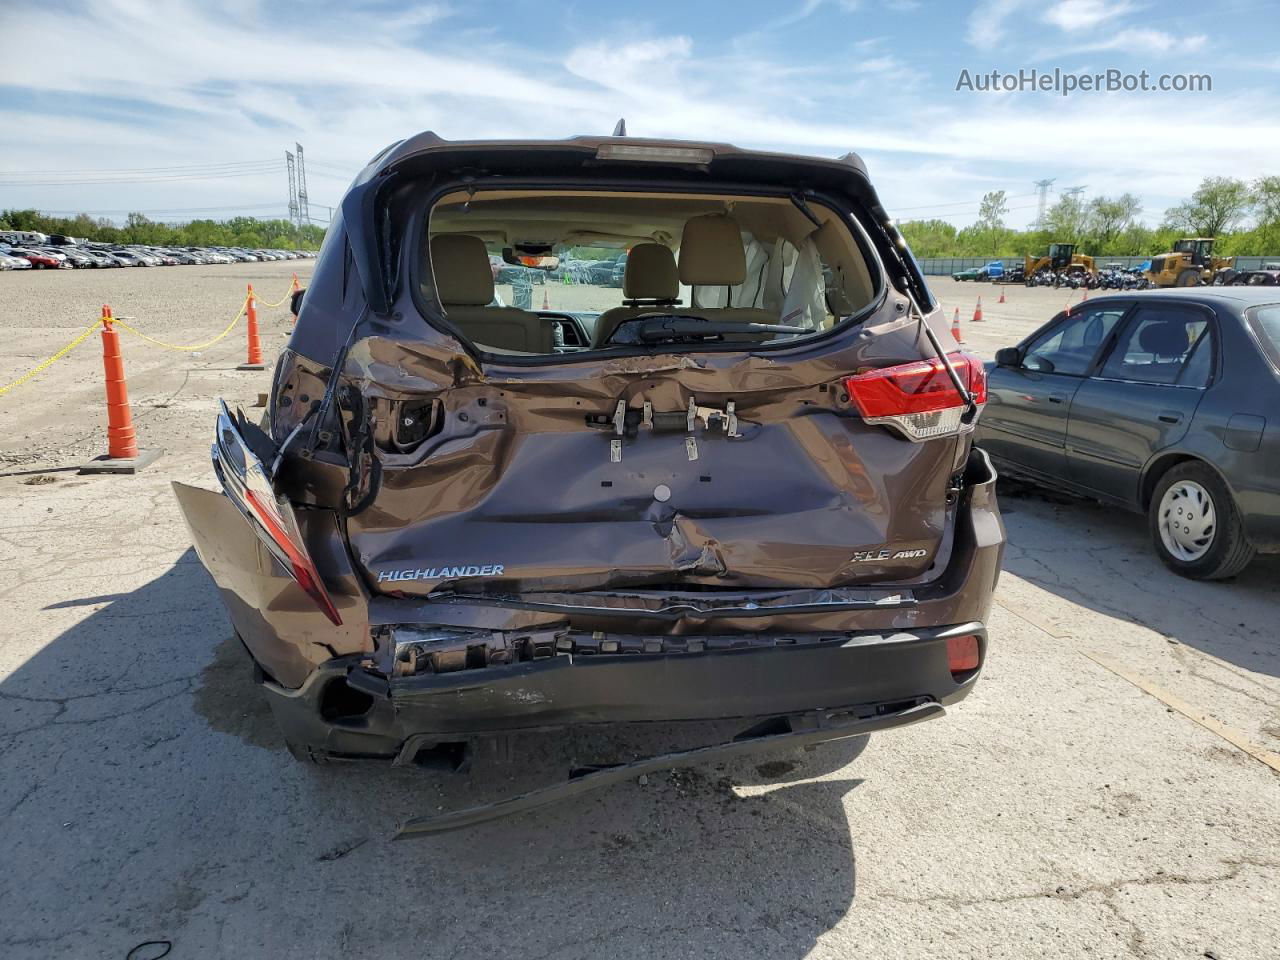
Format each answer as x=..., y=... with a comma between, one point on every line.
x=962, y=654
x=292, y=555
x=918, y=398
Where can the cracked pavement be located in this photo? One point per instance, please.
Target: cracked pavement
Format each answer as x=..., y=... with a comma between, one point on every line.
x=1058, y=812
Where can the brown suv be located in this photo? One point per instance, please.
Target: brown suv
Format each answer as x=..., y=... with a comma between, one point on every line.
x=742, y=486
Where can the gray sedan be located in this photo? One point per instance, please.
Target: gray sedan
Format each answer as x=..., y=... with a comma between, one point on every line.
x=1163, y=402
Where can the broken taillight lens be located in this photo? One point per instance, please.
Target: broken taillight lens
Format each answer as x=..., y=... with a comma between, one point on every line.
x=919, y=398
x=246, y=484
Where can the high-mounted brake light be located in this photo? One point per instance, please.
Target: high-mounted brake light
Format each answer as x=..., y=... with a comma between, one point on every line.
x=635, y=151
x=919, y=398
x=245, y=481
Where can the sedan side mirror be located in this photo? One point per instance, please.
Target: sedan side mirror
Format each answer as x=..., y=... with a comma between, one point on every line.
x=1009, y=357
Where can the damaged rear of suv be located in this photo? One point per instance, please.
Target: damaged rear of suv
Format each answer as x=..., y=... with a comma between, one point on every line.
x=741, y=487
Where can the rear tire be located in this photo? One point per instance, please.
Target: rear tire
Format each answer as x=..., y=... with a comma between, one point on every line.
x=1187, y=278
x=1196, y=526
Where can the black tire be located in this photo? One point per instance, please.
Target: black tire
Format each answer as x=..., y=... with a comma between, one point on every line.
x=1187, y=278
x=1229, y=550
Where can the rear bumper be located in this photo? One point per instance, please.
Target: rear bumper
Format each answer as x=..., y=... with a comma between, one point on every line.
x=346, y=710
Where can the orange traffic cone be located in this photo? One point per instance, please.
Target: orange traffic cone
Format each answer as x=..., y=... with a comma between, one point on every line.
x=955, y=327
x=122, y=442
x=546, y=302
x=123, y=455
x=1001, y=300
x=977, y=312
x=253, y=361
x=295, y=288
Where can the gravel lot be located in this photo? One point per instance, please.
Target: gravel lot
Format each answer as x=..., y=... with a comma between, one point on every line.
x=1060, y=811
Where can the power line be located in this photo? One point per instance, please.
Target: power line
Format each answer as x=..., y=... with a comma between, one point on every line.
x=964, y=213
x=234, y=206
x=304, y=211
x=1042, y=188
x=189, y=167
x=961, y=203
x=341, y=167
x=293, y=187
x=126, y=179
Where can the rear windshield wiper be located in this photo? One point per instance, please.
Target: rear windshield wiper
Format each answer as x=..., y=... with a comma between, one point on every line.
x=675, y=327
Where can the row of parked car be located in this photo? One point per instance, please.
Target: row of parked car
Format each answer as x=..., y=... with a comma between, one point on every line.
x=600, y=273
x=87, y=255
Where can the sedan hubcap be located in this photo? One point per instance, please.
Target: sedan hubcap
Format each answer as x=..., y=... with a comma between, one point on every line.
x=1188, y=521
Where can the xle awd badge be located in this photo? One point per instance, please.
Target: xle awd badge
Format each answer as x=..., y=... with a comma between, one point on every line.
x=865, y=556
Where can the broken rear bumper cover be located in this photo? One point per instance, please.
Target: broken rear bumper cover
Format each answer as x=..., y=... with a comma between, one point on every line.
x=346, y=709
x=866, y=656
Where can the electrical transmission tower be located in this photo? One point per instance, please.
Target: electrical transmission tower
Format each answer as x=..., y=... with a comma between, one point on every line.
x=304, y=212
x=1042, y=186
x=1073, y=191
x=293, y=189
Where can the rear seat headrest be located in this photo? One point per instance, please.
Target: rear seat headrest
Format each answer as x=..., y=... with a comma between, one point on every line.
x=1164, y=338
x=711, y=252
x=461, y=268
x=650, y=273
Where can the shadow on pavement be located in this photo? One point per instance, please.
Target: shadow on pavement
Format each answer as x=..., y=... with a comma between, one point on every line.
x=1102, y=558
x=147, y=795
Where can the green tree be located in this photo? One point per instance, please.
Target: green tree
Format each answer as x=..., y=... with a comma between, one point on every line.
x=1266, y=205
x=1218, y=204
x=1067, y=220
x=929, y=238
x=991, y=214
x=138, y=228
x=1108, y=217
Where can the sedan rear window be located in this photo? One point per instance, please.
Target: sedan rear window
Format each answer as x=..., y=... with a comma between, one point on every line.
x=1266, y=324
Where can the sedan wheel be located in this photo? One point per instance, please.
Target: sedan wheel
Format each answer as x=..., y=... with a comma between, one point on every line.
x=1195, y=524
x=1187, y=520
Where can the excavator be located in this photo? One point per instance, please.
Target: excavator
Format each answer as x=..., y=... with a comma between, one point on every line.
x=1061, y=258
x=1191, y=262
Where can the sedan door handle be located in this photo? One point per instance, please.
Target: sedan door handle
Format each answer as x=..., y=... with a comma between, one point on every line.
x=1170, y=416
x=1056, y=398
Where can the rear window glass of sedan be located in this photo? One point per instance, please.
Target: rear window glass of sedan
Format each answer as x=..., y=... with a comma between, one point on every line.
x=1266, y=324
x=1156, y=345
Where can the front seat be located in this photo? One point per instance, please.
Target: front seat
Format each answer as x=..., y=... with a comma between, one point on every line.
x=649, y=285
x=464, y=284
x=712, y=255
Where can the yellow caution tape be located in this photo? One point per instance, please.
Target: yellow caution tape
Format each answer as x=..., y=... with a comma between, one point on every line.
x=264, y=303
x=84, y=335
x=190, y=347
x=88, y=331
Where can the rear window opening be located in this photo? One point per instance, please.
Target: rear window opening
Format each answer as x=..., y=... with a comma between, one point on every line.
x=544, y=273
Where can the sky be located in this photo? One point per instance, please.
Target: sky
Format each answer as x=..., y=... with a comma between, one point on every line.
x=185, y=109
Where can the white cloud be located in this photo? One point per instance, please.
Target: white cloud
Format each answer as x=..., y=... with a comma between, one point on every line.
x=1139, y=40
x=988, y=24
x=1077, y=16
x=236, y=88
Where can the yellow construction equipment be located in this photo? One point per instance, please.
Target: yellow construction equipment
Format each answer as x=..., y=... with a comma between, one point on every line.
x=1061, y=258
x=1191, y=262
